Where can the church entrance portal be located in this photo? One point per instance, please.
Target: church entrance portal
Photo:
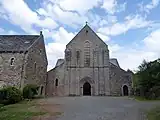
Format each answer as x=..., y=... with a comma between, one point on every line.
x=86, y=89
x=125, y=90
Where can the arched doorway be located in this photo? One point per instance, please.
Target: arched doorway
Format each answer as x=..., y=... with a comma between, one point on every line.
x=125, y=90
x=86, y=89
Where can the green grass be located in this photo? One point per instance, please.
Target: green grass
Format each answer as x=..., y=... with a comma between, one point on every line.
x=21, y=111
x=154, y=114
x=138, y=98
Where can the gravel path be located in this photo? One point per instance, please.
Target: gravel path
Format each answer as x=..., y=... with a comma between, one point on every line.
x=101, y=108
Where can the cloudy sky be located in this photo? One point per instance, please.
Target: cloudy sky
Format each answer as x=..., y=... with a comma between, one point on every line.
x=131, y=28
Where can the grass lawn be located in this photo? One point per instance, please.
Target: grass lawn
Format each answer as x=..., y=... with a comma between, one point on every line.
x=154, y=114
x=144, y=99
x=20, y=111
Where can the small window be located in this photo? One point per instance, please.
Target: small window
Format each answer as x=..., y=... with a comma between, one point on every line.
x=41, y=90
x=78, y=54
x=12, y=61
x=56, y=84
x=40, y=50
x=35, y=66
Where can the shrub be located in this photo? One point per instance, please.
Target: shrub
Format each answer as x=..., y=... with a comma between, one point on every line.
x=155, y=92
x=10, y=95
x=29, y=91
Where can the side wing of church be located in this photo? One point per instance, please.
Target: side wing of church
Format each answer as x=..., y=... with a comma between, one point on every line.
x=88, y=70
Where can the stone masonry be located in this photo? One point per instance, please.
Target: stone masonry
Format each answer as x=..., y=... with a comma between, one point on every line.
x=23, y=61
x=87, y=69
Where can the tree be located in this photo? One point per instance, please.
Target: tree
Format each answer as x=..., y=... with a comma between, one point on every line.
x=147, y=78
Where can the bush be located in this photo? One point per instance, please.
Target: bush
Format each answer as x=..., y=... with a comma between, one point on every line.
x=29, y=91
x=10, y=95
x=155, y=92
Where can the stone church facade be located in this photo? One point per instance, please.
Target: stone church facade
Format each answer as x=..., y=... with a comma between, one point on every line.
x=88, y=69
x=23, y=61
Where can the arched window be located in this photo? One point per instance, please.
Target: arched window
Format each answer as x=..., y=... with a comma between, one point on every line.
x=68, y=55
x=56, y=84
x=78, y=56
x=12, y=61
x=87, y=54
x=41, y=90
x=35, y=67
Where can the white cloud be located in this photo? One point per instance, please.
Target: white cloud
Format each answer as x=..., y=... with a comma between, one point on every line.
x=132, y=56
x=55, y=49
x=80, y=6
x=54, y=52
x=103, y=37
x=58, y=14
x=148, y=7
x=152, y=41
x=111, y=6
x=132, y=22
x=20, y=14
x=62, y=12
x=151, y=5
x=10, y=32
x=114, y=48
x=62, y=36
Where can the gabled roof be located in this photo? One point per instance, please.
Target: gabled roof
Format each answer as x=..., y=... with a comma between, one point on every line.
x=59, y=62
x=114, y=61
x=16, y=42
x=115, y=66
x=87, y=27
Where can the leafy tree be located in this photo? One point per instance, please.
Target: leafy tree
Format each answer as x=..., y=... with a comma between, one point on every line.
x=147, y=79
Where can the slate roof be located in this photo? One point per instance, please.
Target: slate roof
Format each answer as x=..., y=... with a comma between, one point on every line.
x=16, y=43
x=114, y=61
x=59, y=62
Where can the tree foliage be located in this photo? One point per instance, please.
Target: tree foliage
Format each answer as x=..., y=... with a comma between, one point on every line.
x=147, y=79
x=29, y=91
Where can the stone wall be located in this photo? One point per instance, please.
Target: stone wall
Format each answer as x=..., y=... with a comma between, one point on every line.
x=87, y=60
x=11, y=74
x=52, y=75
x=86, y=44
x=35, y=69
x=118, y=78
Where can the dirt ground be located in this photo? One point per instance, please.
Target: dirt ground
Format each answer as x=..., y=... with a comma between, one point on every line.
x=53, y=110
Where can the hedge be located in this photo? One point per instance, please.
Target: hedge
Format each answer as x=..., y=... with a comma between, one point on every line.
x=29, y=91
x=10, y=95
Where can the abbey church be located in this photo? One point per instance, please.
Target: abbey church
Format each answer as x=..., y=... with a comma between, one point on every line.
x=87, y=69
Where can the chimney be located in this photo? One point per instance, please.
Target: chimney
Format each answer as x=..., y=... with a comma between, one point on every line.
x=41, y=33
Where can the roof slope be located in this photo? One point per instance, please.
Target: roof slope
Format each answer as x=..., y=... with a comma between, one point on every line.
x=16, y=42
x=114, y=61
x=88, y=28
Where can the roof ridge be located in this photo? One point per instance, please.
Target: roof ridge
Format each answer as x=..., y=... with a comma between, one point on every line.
x=17, y=42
